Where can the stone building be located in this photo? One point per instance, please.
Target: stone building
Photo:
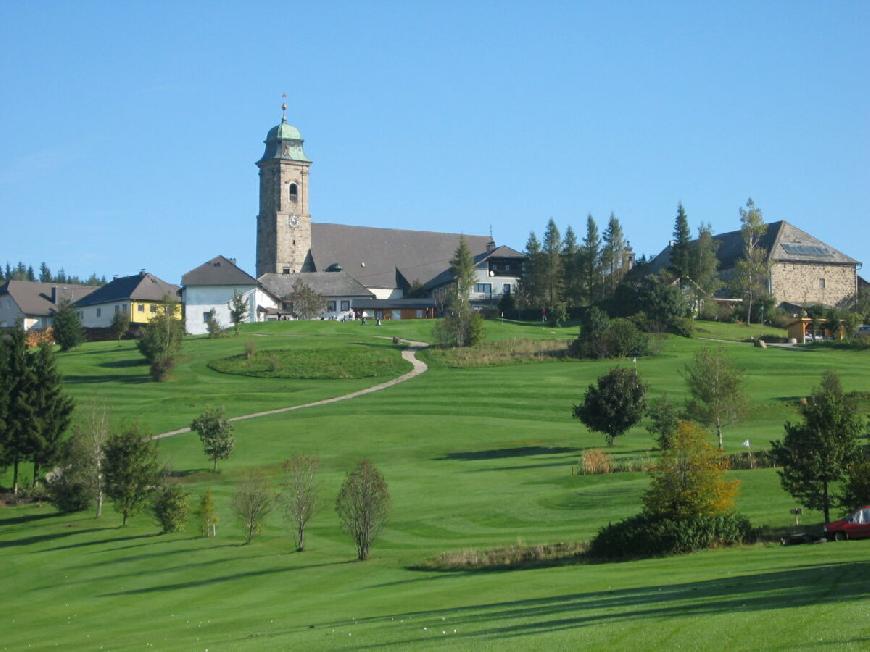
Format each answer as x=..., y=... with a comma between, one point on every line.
x=802, y=270
x=389, y=263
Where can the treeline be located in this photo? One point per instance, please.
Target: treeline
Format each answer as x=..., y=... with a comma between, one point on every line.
x=22, y=272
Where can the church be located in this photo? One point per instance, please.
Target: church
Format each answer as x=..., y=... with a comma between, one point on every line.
x=389, y=264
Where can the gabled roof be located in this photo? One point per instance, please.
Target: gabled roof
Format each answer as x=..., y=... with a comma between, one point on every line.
x=326, y=284
x=383, y=258
x=141, y=287
x=35, y=299
x=782, y=241
x=446, y=276
x=505, y=252
x=218, y=271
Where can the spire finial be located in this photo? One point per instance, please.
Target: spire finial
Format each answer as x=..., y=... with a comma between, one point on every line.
x=283, y=107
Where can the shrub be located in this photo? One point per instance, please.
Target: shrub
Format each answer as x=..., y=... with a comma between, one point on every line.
x=856, y=488
x=595, y=461
x=66, y=491
x=171, y=508
x=250, y=349
x=684, y=327
x=646, y=535
x=602, y=337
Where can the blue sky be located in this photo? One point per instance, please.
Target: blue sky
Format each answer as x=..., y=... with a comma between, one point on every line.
x=130, y=130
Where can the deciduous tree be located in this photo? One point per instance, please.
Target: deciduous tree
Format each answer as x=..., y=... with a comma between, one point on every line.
x=171, y=508
x=715, y=390
x=298, y=496
x=160, y=342
x=252, y=502
x=613, y=404
x=207, y=515
x=307, y=304
x=238, y=310
x=363, y=505
x=689, y=480
x=752, y=267
x=120, y=324
x=815, y=454
x=216, y=434
x=664, y=417
x=131, y=470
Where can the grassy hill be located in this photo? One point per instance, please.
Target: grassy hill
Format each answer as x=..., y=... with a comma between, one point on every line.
x=474, y=457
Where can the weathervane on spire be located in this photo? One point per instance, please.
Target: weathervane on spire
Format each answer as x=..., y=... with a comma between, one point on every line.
x=283, y=107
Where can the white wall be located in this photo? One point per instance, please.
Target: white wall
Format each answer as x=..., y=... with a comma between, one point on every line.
x=497, y=282
x=201, y=299
x=101, y=315
x=9, y=312
x=387, y=293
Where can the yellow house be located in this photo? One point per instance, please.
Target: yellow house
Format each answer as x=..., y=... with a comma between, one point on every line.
x=141, y=297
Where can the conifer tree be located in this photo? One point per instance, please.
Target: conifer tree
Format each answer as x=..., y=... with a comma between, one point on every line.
x=571, y=273
x=530, y=286
x=461, y=326
x=52, y=406
x=44, y=273
x=704, y=265
x=552, y=266
x=67, y=326
x=613, y=253
x=590, y=254
x=680, y=249
x=19, y=435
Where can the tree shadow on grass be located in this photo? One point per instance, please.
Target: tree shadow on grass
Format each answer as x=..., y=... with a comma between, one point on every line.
x=500, y=453
x=28, y=518
x=42, y=538
x=124, y=364
x=795, y=587
x=100, y=542
x=82, y=379
x=220, y=579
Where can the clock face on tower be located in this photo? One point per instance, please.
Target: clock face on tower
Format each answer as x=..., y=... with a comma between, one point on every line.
x=294, y=221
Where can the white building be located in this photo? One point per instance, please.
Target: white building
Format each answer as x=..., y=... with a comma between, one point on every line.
x=33, y=304
x=339, y=290
x=497, y=272
x=210, y=288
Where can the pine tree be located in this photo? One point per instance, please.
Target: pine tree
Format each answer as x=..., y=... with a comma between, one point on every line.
x=530, y=286
x=680, y=250
x=31, y=275
x=44, y=273
x=19, y=435
x=551, y=272
x=590, y=254
x=461, y=325
x=571, y=273
x=67, y=327
x=52, y=406
x=7, y=275
x=613, y=253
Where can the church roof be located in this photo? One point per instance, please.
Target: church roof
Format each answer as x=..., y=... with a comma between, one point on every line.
x=382, y=258
x=284, y=141
x=140, y=287
x=35, y=299
x=218, y=271
x=326, y=284
x=783, y=242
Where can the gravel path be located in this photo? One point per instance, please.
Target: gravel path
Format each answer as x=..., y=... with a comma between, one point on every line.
x=409, y=354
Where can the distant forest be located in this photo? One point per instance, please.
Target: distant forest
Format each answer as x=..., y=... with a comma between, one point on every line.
x=22, y=272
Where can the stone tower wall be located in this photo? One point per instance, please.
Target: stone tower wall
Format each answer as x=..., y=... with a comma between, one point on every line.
x=281, y=244
x=801, y=283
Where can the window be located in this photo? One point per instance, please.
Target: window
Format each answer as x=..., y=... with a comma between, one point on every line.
x=153, y=307
x=822, y=283
x=419, y=314
x=345, y=306
x=286, y=270
x=294, y=192
x=330, y=306
x=117, y=308
x=206, y=317
x=99, y=311
x=483, y=288
x=396, y=314
x=140, y=307
x=506, y=288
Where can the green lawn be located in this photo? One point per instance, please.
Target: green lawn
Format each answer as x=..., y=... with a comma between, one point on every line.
x=474, y=458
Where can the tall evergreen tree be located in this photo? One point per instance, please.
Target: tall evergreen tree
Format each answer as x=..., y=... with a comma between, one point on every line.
x=20, y=432
x=552, y=265
x=571, y=272
x=44, y=273
x=613, y=253
x=67, y=326
x=53, y=409
x=461, y=326
x=704, y=265
x=680, y=249
x=7, y=274
x=530, y=286
x=752, y=268
x=31, y=275
x=590, y=261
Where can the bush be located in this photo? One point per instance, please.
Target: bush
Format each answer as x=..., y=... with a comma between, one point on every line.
x=684, y=327
x=171, y=508
x=647, y=535
x=601, y=337
x=67, y=492
x=595, y=461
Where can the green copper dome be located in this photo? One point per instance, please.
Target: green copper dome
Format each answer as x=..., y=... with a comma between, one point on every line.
x=284, y=141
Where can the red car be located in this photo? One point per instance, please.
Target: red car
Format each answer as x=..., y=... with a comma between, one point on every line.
x=855, y=526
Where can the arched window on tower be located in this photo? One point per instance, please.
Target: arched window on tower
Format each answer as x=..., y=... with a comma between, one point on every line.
x=294, y=192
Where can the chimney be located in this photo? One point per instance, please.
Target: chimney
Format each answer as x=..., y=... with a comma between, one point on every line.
x=54, y=294
x=490, y=246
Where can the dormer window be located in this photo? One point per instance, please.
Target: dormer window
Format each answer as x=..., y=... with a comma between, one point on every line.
x=294, y=192
x=286, y=270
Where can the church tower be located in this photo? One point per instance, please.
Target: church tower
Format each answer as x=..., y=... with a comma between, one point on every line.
x=283, y=223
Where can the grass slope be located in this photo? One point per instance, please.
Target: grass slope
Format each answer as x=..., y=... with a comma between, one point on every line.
x=474, y=458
